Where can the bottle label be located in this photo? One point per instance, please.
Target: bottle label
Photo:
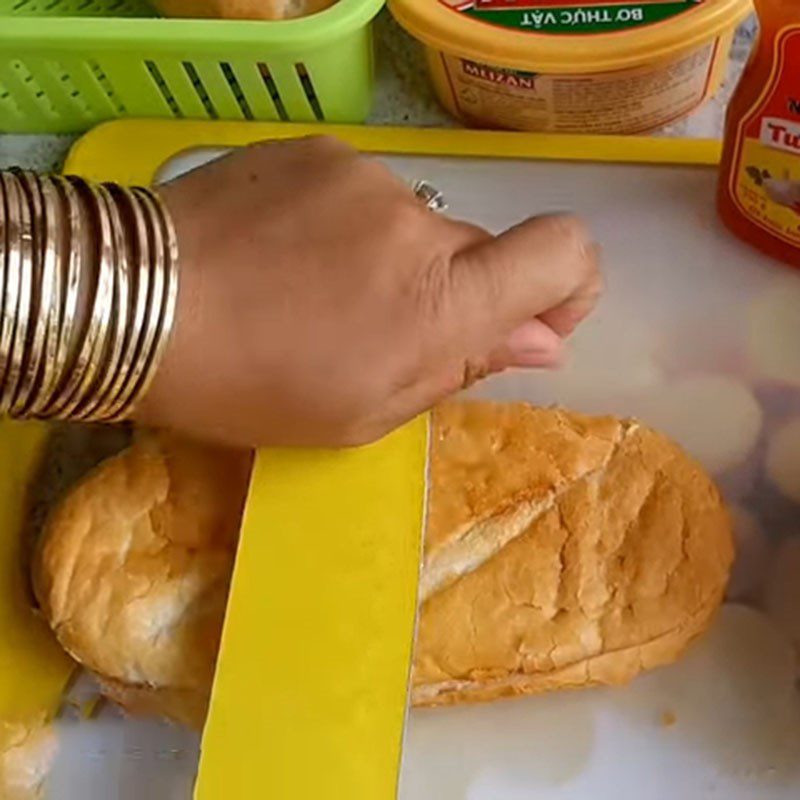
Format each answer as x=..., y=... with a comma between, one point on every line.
x=570, y=17
x=765, y=179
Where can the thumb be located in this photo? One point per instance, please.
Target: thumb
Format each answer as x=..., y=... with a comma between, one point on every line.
x=533, y=268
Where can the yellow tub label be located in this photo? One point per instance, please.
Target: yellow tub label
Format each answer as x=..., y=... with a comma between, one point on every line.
x=765, y=180
x=627, y=101
x=565, y=17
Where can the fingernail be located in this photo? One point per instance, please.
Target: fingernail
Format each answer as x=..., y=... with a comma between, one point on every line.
x=537, y=360
x=533, y=336
x=552, y=356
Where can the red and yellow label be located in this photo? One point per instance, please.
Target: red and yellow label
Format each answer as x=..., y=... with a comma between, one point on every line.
x=765, y=179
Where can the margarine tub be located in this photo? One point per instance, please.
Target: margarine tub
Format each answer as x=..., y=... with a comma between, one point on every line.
x=596, y=66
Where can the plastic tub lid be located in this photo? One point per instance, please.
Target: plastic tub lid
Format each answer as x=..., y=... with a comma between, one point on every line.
x=564, y=36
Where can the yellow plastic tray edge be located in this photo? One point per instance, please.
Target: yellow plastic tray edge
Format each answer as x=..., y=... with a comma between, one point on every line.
x=148, y=144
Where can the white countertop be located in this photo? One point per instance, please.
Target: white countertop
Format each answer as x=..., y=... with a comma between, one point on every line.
x=404, y=97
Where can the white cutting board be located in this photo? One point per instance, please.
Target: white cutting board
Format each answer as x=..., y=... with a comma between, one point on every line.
x=679, y=341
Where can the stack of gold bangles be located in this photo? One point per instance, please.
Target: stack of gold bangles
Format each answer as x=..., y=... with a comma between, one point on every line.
x=88, y=290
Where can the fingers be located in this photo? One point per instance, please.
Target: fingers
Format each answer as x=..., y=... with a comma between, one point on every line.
x=532, y=344
x=546, y=267
x=565, y=318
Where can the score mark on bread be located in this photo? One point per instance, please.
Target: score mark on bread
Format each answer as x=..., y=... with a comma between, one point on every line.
x=612, y=552
x=561, y=551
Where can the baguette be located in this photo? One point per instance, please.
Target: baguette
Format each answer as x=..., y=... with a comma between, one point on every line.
x=560, y=551
x=241, y=9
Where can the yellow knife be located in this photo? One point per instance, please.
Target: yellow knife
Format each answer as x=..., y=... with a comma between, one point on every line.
x=310, y=695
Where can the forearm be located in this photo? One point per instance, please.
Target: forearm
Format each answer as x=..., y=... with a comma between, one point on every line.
x=88, y=286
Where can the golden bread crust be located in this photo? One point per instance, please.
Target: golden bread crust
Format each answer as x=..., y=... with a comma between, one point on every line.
x=135, y=563
x=619, y=573
x=561, y=551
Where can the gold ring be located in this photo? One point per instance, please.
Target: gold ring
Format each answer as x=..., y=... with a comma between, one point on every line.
x=11, y=267
x=22, y=312
x=72, y=245
x=94, y=407
x=93, y=341
x=124, y=384
x=152, y=319
x=41, y=292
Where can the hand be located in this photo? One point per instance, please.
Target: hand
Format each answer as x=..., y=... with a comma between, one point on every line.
x=322, y=304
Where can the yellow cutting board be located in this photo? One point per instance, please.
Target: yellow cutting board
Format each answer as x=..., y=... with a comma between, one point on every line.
x=310, y=693
x=34, y=670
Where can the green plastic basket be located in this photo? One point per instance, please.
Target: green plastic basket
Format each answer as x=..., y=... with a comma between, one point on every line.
x=67, y=65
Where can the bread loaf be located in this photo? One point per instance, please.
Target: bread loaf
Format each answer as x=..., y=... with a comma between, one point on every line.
x=241, y=9
x=560, y=551
x=27, y=752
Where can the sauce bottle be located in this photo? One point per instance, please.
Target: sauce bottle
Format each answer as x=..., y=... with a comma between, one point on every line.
x=759, y=189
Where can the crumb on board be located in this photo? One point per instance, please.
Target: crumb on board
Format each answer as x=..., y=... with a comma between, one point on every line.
x=668, y=719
